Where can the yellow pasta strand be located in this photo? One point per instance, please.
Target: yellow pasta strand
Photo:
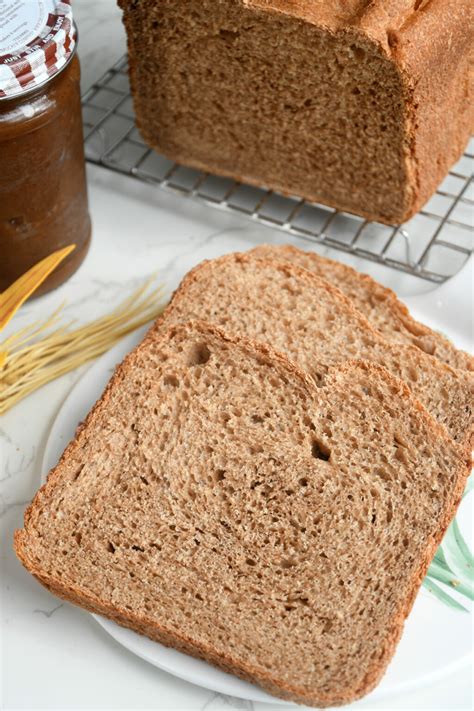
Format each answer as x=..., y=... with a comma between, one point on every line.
x=35, y=355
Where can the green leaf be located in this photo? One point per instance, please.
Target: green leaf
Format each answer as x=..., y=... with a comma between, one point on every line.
x=457, y=554
x=439, y=558
x=453, y=564
x=469, y=486
x=462, y=545
x=443, y=596
x=439, y=572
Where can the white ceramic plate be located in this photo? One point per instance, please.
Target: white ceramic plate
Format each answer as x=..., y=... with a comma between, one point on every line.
x=437, y=640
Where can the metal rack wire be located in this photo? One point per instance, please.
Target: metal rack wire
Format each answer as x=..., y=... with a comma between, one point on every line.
x=433, y=245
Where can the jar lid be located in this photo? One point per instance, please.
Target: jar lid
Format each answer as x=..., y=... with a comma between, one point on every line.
x=37, y=38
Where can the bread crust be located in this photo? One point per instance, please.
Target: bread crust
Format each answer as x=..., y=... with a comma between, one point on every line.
x=454, y=357
x=428, y=46
x=144, y=625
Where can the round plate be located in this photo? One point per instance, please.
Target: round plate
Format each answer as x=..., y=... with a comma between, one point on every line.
x=437, y=640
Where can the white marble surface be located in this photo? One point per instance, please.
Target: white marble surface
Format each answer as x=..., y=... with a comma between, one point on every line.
x=53, y=655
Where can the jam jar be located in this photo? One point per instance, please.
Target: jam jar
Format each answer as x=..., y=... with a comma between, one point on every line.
x=43, y=192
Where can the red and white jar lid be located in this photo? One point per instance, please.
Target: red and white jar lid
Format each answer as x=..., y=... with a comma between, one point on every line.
x=37, y=38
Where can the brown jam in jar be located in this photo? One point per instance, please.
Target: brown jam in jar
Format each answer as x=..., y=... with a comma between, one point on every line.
x=43, y=192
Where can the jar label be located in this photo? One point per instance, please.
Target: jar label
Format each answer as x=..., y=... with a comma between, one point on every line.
x=21, y=21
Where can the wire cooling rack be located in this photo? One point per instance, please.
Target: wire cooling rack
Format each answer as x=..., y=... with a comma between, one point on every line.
x=433, y=245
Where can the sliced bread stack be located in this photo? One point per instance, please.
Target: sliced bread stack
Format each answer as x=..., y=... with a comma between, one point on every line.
x=316, y=326
x=256, y=487
x=386, y=313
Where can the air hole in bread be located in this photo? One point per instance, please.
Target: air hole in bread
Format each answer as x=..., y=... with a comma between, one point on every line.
x=320, y=451
x=401, y=456
x=220, y=475
x=171, y=380
x=199, y=354
x=110, y=547
x=425, y=345
x=77, y=473
x=78, y=537
x=250, y=561
x=383, y=474
x=257, y=419
x=229, y=35
x=358, y=52
x=309, y=423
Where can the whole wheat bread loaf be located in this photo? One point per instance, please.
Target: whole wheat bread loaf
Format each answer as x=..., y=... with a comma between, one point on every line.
x=219, y=502
x=343, y=103
x=315, y=325
x=381, y=306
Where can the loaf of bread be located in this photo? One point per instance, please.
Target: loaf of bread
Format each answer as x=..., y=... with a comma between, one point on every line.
x=381, y=306
x=316, y=326
x=219, y=502
x=360, y=105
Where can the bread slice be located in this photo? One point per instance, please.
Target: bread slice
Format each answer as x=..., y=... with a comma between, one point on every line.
x=315, y=325
x=219, y=502
x=386, y=313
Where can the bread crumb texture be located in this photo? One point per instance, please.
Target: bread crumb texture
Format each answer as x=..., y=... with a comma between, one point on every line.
x=218, y=501
x=385, y=312
x=315, y=325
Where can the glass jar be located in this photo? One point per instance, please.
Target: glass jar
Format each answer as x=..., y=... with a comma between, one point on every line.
x=43, y=192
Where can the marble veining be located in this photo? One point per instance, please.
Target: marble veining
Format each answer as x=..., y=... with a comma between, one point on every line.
x=218, y=701
x=49, y=613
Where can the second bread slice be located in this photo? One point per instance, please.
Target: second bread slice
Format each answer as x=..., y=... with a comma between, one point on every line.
x=314, y=324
